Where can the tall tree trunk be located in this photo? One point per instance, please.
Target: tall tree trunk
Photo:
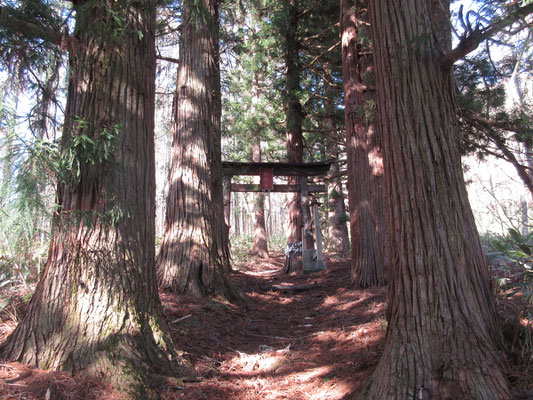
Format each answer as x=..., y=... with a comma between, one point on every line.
x=524, y=217
x=243, y=219
x=294, y=142
x=337, y=230
x=365, y=164
x=96, y=307
x=526, y=175
x=260, y=246
x=443, y=339
x=194, y=256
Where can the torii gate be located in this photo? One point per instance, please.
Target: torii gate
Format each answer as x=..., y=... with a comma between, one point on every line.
x=311, y=257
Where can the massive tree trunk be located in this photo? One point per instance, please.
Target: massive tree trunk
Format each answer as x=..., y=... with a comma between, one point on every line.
x=260, y=246
x=226, y=192
x=294, y=116
x=443, y=339
x=96, y=308
x=194, y=256
x=365, y=163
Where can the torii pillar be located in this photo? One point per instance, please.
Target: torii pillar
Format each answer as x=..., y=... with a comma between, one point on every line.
x=311, y=245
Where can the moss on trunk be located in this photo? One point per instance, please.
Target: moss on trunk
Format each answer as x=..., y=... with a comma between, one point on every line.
x=96, y=307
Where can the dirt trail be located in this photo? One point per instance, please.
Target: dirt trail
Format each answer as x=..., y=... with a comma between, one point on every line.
x=318, y=344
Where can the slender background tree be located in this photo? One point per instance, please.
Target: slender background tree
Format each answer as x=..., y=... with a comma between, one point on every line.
x=194, y=256
x=364, y=155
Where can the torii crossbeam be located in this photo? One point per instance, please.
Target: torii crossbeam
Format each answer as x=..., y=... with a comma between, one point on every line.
x=312, y=258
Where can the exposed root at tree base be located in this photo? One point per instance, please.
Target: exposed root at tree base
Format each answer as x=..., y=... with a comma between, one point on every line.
x=317, y=344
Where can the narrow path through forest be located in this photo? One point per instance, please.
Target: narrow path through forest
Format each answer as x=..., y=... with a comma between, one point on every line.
x=317, y=344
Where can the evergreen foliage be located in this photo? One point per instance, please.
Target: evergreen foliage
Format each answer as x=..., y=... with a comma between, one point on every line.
x=32, y=70
x=492, y=86
x=254, y=67
x=24, y=202
x=255, y=93
x=24, y=55
x=252, y=107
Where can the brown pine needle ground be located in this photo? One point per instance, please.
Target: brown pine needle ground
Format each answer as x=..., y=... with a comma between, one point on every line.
x=320, y=344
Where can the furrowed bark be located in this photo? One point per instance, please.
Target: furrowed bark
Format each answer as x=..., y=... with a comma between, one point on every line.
x=443, y=339
x=194, y=256
x=294, y=115
x=96, y=308
x=369, y=247
x=338, y=240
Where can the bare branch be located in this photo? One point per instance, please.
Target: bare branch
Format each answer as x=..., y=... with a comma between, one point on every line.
x=470, y=42
x=321, y=54
x=485, y=126
x=169, y=59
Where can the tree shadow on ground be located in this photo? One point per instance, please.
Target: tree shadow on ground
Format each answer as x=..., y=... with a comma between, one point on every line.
x=318, y=344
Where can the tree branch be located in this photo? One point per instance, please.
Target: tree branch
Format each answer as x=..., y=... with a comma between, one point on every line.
x=506, y=126
x=485, y=126
x=339, y=174
x=169, y=59
x=471, y=42
x=321, y=54
x=29, y=30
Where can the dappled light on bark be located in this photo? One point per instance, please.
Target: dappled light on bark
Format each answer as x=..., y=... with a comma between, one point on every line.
x=294, y=139
x=96, y=307
x=369, y=241
x=194, y=255
x=443, y=339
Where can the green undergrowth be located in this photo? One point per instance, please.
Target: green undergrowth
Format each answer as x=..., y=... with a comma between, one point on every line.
x=510, y=258
x=241, y=246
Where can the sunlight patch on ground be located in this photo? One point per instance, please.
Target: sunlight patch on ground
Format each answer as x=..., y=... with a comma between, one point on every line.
x=257, y=363
x=288, y=369
x=304, y=382
x=332, y=390
x=312, y=373
x=262, y=273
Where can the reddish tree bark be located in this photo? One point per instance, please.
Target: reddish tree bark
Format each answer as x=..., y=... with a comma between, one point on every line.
x=369, y=248
x=443, y=339
x=294, y=138
x=194, y=256
x=337, y=230
x=96, y=308
x=260, y=246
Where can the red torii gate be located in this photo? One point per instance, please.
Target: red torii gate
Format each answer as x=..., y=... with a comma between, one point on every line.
x=311, y=257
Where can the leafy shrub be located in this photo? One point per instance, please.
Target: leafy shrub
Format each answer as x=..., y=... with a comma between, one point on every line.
x=513, y=250
x=241, y=247
x=277, y=244
x=514, y=253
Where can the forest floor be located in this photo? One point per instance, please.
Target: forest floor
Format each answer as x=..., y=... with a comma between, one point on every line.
x=318, y=344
